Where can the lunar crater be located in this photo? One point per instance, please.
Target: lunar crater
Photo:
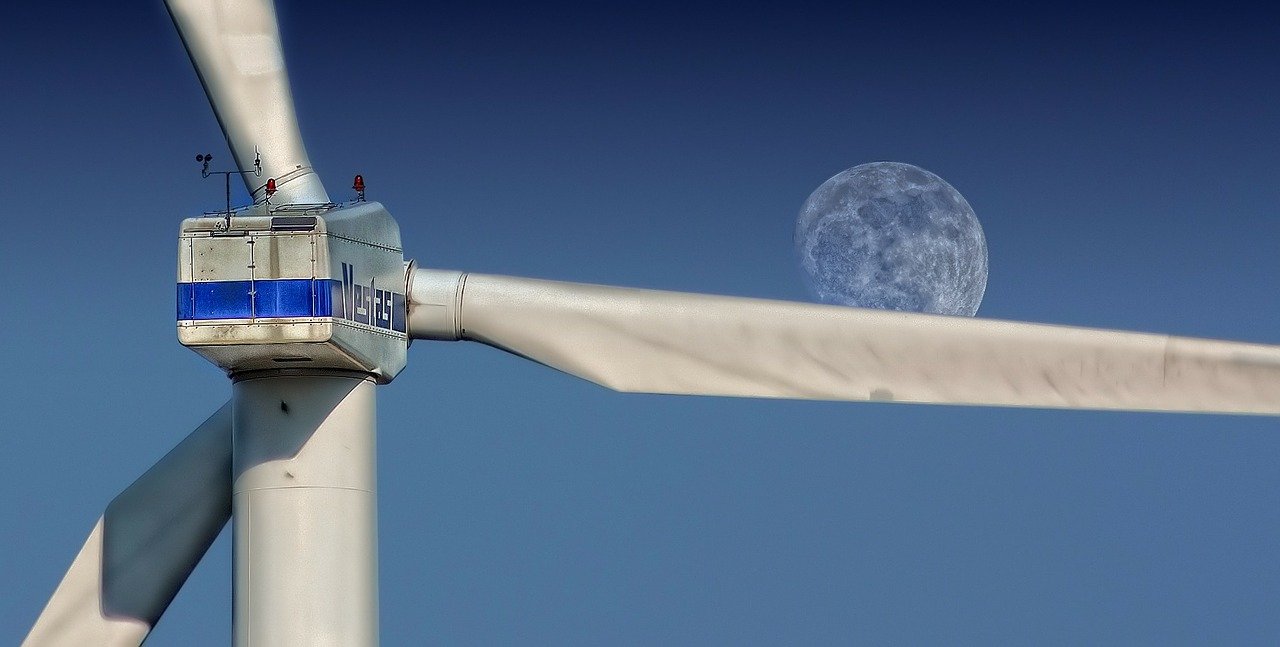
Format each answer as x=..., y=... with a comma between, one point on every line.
x=893, y=236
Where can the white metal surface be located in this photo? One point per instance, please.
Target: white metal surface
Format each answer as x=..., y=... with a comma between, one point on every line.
x=434, y=302
x=305, y=504
x=670, y=342
x=354, y=319
x=144, y=546
x=235, y=47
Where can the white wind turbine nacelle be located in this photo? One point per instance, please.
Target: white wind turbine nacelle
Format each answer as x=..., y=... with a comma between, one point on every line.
x=235, y=47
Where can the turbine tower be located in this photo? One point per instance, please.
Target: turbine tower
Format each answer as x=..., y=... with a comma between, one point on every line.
x=308, y=305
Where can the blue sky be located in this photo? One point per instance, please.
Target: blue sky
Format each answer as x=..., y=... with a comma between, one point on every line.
x=1122, y=161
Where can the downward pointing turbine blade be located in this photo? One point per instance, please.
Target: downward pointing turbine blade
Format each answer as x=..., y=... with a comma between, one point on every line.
x=670, y=342
x=144, y=546
x=235, y=47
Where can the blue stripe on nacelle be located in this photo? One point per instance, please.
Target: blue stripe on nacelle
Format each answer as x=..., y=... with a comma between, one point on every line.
x=285, y=298
x=288, y=298
x=272, y=298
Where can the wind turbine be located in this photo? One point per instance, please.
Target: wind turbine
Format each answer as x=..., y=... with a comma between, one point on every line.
x=292, y=455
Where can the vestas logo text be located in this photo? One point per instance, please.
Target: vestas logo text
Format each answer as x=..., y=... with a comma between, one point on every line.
x=368, y=304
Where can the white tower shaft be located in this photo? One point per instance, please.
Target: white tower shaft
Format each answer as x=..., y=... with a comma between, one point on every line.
x=304, y=510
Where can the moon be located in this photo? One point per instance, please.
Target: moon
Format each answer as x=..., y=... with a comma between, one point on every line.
x=894, y=236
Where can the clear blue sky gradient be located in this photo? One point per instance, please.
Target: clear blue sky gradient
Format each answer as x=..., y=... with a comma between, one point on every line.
x=1123, y=162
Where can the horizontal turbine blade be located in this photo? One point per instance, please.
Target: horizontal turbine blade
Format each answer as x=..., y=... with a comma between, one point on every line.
x=670, y=342
x=144, y=546
x=235, y=47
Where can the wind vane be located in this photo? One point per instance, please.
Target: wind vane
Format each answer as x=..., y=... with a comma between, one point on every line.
x=206, y=158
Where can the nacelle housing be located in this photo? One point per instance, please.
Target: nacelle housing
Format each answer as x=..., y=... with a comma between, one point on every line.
x=299, y=286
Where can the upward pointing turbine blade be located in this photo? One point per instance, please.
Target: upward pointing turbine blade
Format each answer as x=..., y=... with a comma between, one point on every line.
x=671, y=342
x=145, y=545
x=235, y=47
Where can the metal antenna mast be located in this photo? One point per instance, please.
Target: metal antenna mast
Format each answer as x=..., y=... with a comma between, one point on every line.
x=206, y=158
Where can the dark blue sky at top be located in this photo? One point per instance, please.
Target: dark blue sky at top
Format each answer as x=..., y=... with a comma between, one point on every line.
x=1123, y=162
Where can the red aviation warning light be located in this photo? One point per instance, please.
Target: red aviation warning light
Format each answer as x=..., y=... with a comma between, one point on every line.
x=271, y=186
x=358, y=185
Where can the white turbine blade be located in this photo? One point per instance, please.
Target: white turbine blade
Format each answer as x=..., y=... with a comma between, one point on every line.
x=235, y=47
x=144, y=546
x=670, y=342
